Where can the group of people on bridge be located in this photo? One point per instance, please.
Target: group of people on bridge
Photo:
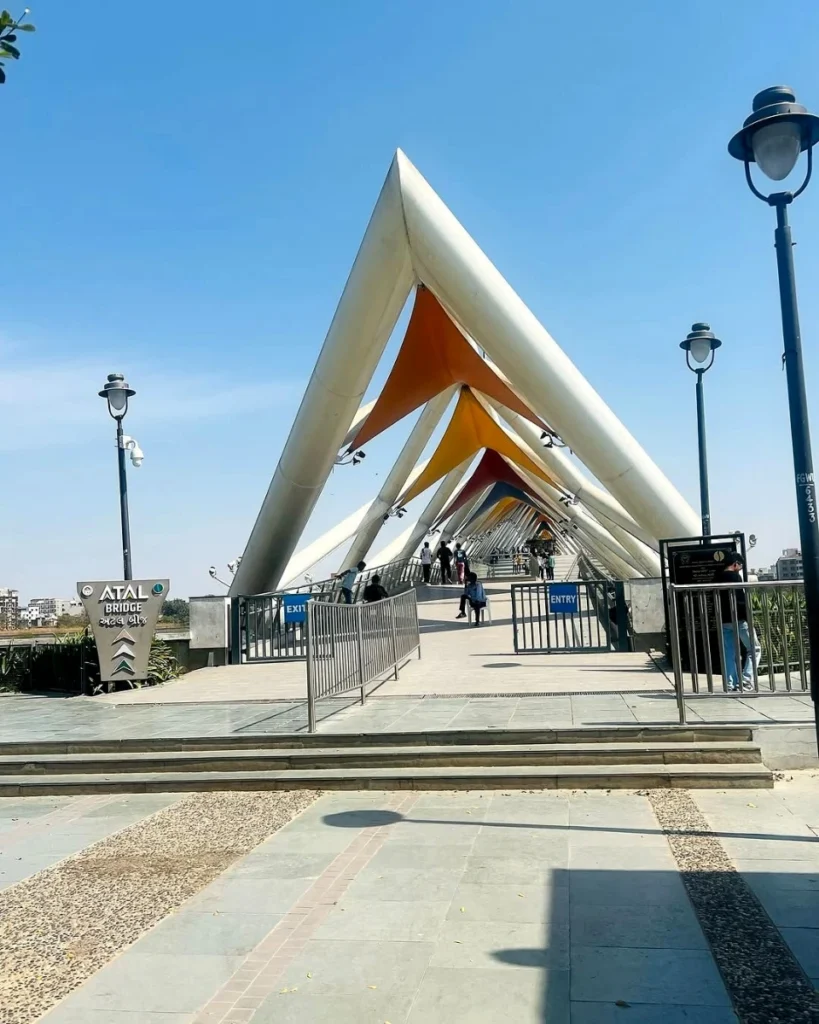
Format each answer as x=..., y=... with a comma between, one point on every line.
x=445, y=557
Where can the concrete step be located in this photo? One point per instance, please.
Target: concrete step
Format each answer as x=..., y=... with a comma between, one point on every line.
x=440, y=738
x=621, y=776
x=381, y=757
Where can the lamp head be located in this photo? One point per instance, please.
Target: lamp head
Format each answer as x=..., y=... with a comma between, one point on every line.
x=116, y=392
x=776, y=132
x=700, y=343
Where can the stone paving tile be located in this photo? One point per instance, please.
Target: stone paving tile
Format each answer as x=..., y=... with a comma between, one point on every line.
x=395, y=856
x=618, y=924
x=521, y=844
x=643, y=887
x=780, y=874
x=304, y=1007
x=31, y=807
x=350, y=967
x=601, y=973
x=510, y=903
x=69, y=1014
x=244, y=895
x=155, y=982
x=507, y=871
x=275, y=865
x=449, y=994
x=805, y=945
x=427, y=884
x=385, y=921
x=650, y=1013
x=206, y=933
x=625, y=858
x=503, y=945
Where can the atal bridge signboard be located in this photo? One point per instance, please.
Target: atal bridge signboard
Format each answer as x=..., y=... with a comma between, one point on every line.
x=123, y=615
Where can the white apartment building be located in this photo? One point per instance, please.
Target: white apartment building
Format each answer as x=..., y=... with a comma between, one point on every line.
x=9, y=608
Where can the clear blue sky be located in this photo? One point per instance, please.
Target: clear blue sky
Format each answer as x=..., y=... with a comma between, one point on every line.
x=186, y=186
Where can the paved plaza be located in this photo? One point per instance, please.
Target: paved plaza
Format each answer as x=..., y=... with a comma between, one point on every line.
x=25, y=719
x=411, y=907
x=474, y=907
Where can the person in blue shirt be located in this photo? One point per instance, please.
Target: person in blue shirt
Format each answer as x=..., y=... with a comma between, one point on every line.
x=475, y=595
x=348, y=578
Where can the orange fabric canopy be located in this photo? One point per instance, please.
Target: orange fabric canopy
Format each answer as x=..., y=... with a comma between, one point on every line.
x=434, y=355
x=470, y=429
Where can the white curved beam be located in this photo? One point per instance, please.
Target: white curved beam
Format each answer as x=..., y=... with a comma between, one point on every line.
x=375, y=292
x=452, y=266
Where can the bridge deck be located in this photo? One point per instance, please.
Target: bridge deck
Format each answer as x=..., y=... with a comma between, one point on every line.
x=457, y=658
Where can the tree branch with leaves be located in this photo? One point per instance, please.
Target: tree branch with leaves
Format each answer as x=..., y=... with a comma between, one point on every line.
x=9, y=27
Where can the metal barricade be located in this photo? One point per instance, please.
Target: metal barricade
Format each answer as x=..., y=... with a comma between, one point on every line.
x=738, y=639
x=350, y=646
x=261, y=632
x=596, y=619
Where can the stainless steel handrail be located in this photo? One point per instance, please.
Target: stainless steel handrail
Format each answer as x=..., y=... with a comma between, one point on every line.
x=350, y=646
x=714, y=651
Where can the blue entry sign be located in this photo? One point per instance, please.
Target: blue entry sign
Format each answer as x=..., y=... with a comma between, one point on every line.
x=563, y=599
x=295, y=607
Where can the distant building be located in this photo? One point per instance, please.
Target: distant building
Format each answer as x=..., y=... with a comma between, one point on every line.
x=69, y=606
x=54, y=607
x=789, y=565
x=765, y=575
x=33, y=616
x=9, y=608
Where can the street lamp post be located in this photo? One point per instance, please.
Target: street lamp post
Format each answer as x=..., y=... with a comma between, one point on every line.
x=117, y=393
x=774, y=135
x=700, y=345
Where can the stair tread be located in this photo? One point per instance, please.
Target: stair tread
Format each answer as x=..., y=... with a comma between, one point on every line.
x=492, y=771
x=277, y=741
x=450, y=749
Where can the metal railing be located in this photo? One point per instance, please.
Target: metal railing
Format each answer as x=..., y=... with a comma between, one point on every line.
x=350, y=646
x=738, y=639
x=596, y=609
x=260, y=630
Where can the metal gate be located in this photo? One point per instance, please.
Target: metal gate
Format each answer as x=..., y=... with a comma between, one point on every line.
x=581, y=615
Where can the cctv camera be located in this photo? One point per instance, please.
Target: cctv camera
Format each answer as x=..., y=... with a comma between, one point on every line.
x=212, y=571
x=137, y=455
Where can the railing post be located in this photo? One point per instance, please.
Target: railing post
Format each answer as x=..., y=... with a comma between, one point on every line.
x=235, y=632
x=360, y=645
x=311, y=694
x=622, y=615
x=676, y=654
x=394, y=636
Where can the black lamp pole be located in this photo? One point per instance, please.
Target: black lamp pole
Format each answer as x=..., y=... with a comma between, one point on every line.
x=777, y=131
x=117, y=393
x=700, y=345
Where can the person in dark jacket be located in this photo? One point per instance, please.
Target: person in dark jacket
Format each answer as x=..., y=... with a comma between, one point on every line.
x=475, y=596
x=374, y=591
x=445, y=558
x=732, y=573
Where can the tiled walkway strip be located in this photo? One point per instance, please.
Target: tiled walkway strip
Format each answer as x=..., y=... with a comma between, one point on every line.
x=239, y=998
x=763, y=978
x=63, y=924
x=72, y=811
